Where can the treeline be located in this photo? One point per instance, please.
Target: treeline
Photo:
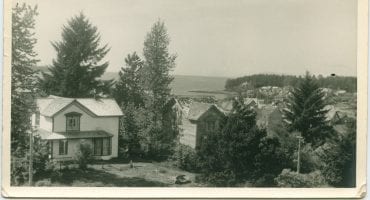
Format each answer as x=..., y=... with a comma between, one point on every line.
x=347, y=83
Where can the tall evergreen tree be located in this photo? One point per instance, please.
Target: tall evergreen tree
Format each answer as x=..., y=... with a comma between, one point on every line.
x=306, y=112
x=158, y=64
x=22, y=79
x=129, y=88
x=76, y=70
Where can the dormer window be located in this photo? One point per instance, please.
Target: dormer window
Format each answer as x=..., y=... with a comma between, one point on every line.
x=73, y=121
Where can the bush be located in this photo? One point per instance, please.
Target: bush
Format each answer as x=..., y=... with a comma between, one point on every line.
x=84, y=155
x=185, y=158
x=225, y=178
x=288, y=178
x=19, y=171
x=20, y=166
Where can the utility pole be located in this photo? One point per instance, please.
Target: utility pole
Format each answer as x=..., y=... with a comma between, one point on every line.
x=299, y=154
x=30, y=167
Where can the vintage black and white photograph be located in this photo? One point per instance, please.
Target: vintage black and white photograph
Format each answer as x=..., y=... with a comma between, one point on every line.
x=175, y=93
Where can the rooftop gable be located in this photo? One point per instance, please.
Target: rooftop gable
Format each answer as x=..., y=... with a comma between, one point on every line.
x=52, y=105
x=197, y=109
x=213, y=109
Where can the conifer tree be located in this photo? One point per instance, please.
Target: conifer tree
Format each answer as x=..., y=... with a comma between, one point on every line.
x=306, y=112
x=158, y=64
x=22, y=80
x=129, y=88
x=76, y=70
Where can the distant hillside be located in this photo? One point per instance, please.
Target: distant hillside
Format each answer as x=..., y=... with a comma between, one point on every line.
x=258, y=80
x=183, y=84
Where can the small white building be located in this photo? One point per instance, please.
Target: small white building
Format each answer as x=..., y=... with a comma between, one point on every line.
x=66, y=122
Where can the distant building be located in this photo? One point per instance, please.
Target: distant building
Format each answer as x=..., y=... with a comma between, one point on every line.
x=207, y=122
x=334, y=116
x=251, y=102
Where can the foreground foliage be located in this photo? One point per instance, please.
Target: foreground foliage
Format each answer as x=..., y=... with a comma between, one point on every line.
x=241, y=152
x=288, y=178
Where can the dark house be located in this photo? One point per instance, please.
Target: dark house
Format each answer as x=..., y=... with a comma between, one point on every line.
x=208, y=118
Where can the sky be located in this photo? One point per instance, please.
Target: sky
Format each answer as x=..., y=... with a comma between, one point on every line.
x=225, y=38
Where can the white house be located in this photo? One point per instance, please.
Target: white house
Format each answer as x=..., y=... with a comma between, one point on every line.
x=65, y=122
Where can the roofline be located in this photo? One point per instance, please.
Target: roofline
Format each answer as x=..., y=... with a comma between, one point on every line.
x=212, y=106
x=109, y=136
x=75, y=101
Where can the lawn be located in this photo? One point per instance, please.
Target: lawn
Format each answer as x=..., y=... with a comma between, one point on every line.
x=121, y=175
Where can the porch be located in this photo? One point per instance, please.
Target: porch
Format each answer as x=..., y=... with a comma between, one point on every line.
x=65, y=145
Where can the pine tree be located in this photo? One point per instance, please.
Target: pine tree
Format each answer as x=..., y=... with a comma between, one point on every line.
x=158, y=64
x=306, y=112
x=23, y=81
x=76, y=70
x=129, y=89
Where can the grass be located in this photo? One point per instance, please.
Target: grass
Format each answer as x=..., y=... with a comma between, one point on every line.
x=121, y=175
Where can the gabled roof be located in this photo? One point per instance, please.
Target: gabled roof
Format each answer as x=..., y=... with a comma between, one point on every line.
x=248, y=101
x=213, y=108
x=197, y=109
x=51, y=105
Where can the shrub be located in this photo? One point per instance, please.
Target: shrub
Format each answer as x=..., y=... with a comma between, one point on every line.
x=185, y=158
x=19, y=171
x=84, y=155
x=225, y=178
x=288, y=178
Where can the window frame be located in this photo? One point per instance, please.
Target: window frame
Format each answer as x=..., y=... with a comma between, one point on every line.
x=101, y=150
x=76, y=116
x=63, y=145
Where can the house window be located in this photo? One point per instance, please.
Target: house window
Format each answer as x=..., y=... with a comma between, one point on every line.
x=73, y=121
x=63, y=147
x=102, y=146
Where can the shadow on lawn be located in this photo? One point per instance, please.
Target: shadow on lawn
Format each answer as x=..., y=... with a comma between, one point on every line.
x=92, y=177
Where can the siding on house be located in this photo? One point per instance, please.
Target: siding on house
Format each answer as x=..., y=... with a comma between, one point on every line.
x=88, y=123
x=46, y=123
x=212, y=115
x=101, y=114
